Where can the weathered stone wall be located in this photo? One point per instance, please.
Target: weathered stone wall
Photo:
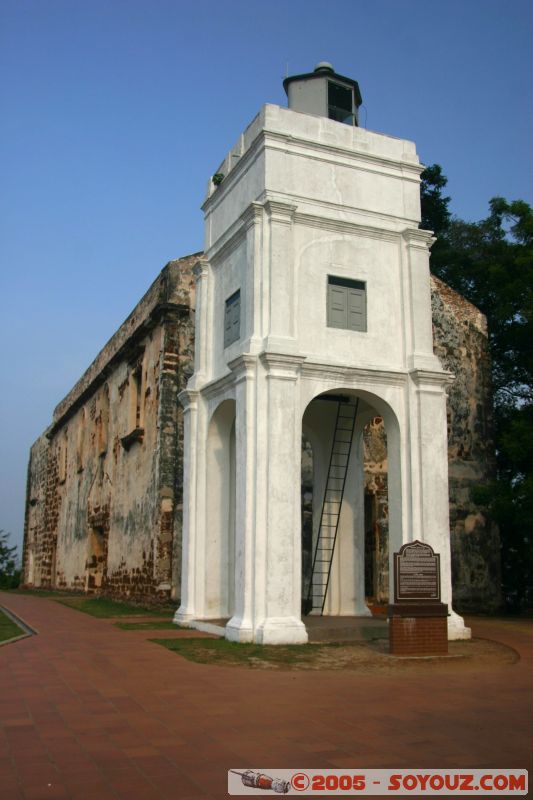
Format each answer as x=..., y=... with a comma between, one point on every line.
x=38, y=546
x=461, y=343
x=376, y=512
x=103, y=492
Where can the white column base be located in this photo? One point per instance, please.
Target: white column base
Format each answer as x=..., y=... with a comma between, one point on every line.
x=237, y=630
x=282, y=630
x=183, y=617
x=456, y=628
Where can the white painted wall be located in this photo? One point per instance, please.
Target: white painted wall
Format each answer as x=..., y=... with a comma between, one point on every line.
x=303, y=198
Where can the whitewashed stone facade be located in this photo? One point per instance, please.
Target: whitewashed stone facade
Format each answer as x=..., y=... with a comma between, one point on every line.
x=304, y=198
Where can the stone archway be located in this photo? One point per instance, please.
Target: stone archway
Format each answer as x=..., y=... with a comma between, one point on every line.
x=220, y=522
x=347, y=578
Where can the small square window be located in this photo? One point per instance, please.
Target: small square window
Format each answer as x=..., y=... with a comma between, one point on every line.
x=346, y=304
x=232, y=319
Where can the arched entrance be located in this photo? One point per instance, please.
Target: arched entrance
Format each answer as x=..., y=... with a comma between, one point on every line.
x=345, y=556
x=220, y=513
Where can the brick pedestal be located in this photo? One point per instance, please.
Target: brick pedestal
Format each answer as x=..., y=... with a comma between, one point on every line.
x=418, y=631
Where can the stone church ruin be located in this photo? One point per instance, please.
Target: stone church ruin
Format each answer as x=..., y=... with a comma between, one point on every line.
x=298, y=377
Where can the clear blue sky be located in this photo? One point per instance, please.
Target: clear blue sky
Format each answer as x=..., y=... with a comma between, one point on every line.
x=114, y=113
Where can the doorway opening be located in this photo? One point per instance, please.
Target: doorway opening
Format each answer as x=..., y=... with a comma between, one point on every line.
x=345, y=507
x=220, y=514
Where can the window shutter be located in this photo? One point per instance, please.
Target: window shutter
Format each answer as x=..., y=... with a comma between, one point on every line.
x=346, y=303
x=227, y=325
x=356, y=310
x=232, y=319
x=337, y=306
x=236, y=320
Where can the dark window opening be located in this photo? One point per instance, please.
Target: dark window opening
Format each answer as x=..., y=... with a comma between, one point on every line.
x=340, y=103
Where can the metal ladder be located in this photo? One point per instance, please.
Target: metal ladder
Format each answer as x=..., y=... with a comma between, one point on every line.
x=331, y=506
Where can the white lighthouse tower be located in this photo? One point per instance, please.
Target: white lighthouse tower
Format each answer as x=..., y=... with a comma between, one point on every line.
x=313, y=316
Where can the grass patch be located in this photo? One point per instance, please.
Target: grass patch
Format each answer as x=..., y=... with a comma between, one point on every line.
x=104, y=607
x=147, y=626
x=8, y=628
x=224, y=653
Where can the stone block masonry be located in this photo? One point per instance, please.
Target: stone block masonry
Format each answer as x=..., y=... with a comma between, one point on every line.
x=104, y=481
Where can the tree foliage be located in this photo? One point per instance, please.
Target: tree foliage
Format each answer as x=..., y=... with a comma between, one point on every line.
x=9, y=572
x=490, y=262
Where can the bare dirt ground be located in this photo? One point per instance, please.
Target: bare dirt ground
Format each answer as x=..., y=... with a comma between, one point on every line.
x=372, y=659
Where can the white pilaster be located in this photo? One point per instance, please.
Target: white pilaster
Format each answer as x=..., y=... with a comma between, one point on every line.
x=418, y=318
x=187, y=609
x=240, y=628
x=281, y=277
x=429, y=448
x=282, y=623
x=201, y=332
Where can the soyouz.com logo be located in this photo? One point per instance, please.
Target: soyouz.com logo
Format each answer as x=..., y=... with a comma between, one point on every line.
x=414, y=782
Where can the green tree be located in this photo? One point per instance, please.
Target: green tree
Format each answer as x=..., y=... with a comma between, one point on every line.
x=9, y=573
x=490, y=262
x=435, y=213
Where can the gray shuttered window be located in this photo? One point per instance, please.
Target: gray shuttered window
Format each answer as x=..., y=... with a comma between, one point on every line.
x=232, y=319
x=346, y=304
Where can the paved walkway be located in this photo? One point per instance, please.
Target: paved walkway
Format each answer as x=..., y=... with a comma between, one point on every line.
x=88, y=711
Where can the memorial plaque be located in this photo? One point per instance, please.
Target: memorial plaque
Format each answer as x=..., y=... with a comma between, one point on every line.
x=416, y=574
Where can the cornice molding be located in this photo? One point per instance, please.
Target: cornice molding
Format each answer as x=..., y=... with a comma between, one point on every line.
x=282, y=365
x=189, y=399
x=280, y=211
x=252, y=215
x=243, y=367
x=416, y=237
x=290, y=144
x=201, y=269
x=344, y=226
x=431, y=379
x=353, y=376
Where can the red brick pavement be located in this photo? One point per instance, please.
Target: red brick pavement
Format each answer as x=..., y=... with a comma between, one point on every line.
x=87, y=711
